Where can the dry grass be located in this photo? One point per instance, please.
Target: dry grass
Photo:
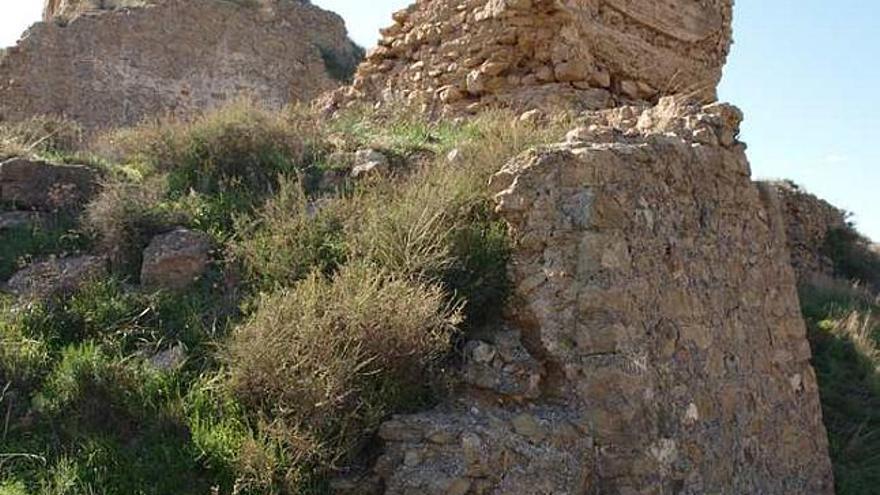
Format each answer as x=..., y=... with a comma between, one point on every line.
x=240, y=145
x=40, y=135
x=326, y=361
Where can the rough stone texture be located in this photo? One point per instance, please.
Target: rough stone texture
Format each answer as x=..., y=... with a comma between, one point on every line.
x=176, y=259
x=26, y=183
x=808, y=220
x=466, y=54
x=56, y=276
x=66, y=10
x=116, y=67
x=659, y=322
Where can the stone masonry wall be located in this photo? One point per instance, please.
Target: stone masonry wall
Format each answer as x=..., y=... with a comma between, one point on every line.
x=535, y=53
x=116, y=67
x=807, y=220
x=655, y=343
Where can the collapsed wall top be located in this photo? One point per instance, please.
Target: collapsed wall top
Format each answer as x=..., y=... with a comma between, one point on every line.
x=104, y=64
x=64, y=10
x=530, y=53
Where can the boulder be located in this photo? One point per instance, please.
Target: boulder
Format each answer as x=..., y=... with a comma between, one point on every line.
x=369, y=162
x=56, y=276
x=40, y=185
x=176, y=259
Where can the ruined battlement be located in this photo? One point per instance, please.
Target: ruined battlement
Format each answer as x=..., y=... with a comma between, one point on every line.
x=537, y=53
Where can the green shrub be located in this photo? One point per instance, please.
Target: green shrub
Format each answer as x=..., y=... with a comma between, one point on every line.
x=853, y=257
x=341, y=65
x=325, y=362
x=236, y=147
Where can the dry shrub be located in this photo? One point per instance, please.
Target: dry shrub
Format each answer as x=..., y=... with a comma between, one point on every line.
x=290, y=237
x=125, y=216
x=40, y=135
x=326, y=361
x=238, y=145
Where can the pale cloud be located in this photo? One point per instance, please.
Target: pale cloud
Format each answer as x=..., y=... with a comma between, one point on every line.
x=834, y=159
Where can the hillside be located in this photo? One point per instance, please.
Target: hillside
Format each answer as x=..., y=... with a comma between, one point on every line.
x=469, y=277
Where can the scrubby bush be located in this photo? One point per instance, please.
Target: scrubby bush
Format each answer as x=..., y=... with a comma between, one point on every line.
x=238, y=146
x=289, y=237
x=326, y=361
x=341, y=65
x=218, y=165
x=125, y=216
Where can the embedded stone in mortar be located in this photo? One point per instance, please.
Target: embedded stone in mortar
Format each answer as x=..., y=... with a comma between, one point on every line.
x=540, y=53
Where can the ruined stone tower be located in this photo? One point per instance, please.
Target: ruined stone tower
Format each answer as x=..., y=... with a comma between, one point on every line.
x=114, y=63
x=534, y=53
x=654, y=344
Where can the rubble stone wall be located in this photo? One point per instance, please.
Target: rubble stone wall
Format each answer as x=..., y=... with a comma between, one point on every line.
x=535, y=53
x=115, y=67
x=655, y=343
x=807, y=222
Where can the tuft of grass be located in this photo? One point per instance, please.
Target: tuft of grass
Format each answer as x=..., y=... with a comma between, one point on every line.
x=325, y=362
x=844, y=327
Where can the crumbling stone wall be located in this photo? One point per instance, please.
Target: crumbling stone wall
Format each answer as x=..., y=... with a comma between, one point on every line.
x=807, y=221
x=116, y=67
x=65, y=10
x=655, y=343
x=535, y=53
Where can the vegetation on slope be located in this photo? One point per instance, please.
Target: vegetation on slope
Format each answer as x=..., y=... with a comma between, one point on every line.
x=329, y=309
x=843, y=319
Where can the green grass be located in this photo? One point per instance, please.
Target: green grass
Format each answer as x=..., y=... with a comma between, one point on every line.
x=844, y=329
x=19, y=246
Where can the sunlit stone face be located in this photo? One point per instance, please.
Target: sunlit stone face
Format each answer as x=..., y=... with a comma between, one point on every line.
x=686, y=20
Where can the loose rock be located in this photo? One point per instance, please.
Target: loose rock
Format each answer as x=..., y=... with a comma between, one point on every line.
x=176, y=259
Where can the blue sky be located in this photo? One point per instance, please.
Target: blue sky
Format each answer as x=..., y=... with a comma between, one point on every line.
x=804, y=71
